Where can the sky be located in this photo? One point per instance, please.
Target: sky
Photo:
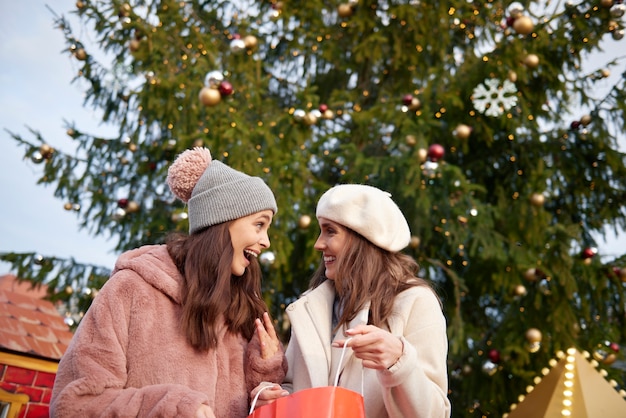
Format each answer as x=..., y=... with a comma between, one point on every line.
x=36, y=91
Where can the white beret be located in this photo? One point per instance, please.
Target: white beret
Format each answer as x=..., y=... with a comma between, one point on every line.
x=368, y=211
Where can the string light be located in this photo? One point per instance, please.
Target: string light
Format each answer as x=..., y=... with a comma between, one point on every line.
x=570, y=376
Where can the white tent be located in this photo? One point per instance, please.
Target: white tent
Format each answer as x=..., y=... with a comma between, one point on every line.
x=572, y=388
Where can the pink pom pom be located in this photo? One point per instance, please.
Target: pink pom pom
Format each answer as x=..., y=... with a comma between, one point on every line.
x=184, y=173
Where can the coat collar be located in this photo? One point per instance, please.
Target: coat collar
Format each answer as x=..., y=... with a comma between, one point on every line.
x=318, y=304
x=359, y=319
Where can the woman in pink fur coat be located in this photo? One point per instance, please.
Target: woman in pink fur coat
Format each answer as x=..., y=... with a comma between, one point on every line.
x=180, y=329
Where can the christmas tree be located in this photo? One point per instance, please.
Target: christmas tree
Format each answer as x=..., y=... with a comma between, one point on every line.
x=480, y=118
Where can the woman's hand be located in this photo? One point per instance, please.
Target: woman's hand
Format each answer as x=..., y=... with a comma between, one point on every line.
x=267, y=335
x=377, y=348
x=271, y=392
x=205, y=411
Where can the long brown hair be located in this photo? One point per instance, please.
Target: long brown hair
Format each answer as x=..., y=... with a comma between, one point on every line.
x=366, y=272
x=210, y=292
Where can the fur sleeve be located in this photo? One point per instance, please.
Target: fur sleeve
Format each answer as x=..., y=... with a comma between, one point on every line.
x=258, y=370
x=92, y=375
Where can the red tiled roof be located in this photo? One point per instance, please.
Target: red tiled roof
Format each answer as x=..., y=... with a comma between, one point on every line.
x=28, y=323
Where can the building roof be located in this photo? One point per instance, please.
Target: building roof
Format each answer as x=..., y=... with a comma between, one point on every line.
x=28, y=323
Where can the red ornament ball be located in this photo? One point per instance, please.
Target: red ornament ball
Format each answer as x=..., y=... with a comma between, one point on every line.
x=323, y=108
x=122, y=203
x=436, y=152
x=614, y=347
x=494, y=355
x=407, y=99
x=589, y=252
x=226, y=88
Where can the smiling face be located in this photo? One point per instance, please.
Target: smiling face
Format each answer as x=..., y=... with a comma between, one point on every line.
x=332, y=243
x=249, y=237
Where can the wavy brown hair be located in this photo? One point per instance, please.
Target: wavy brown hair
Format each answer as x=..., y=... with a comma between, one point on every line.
x=210, y=292
x=366, y=272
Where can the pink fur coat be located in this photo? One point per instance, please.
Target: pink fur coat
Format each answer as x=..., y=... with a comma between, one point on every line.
x=129, y=358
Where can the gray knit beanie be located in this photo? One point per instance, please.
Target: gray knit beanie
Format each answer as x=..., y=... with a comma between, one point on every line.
x=214, y=192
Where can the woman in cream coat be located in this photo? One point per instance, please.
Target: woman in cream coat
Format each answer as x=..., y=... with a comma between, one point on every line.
x=366, y=293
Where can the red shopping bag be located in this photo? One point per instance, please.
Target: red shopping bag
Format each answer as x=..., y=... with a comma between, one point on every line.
x=320, y=402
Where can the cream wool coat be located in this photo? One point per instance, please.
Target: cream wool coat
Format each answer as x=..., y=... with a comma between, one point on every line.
x=415, y=387
x=129, y=358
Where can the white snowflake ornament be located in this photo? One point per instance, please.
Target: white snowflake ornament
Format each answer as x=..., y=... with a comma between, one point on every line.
x=493, y=99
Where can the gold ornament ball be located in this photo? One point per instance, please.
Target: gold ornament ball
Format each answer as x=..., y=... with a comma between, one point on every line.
x=198, y=143
x=523, y=25
x=328, y=114
x=512, y=76
x=606, y=73
x=132, y=207
x=531, y=275
x=622, y=274
x=344, y=10
x=422, y=154
x=466, y=370
x=309, y=118
x=618, y=35
x=410, y=140
x=531, y=61
x=415, y=104
x=537, y=199
x=125, y=10
x=80, y=54
x=606, y=3
x=415, y=241
x=515, y=10
x=46, y=151
x=209, y=96
x=134, y=45
x=520, y=290
x=304, y=221
x=80, y=4
x=533, y=335
x=68, y=206
x=462, y=131
x=585, y=120
x=609, y=359
x=250, y=41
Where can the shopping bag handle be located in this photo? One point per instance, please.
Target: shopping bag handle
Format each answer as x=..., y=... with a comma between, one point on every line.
x=256, y=397
x=343, y=352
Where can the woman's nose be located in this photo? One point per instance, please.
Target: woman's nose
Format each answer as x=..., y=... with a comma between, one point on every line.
x=265, y=241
